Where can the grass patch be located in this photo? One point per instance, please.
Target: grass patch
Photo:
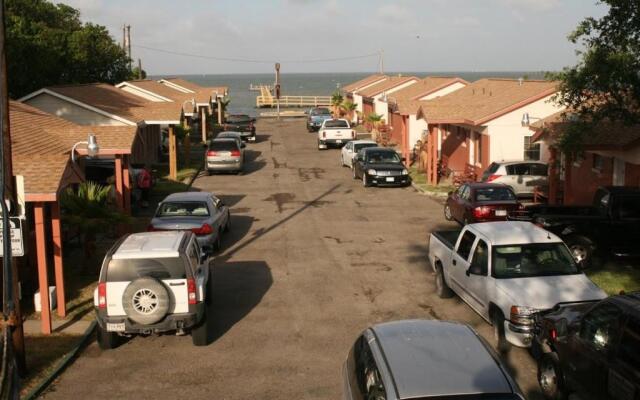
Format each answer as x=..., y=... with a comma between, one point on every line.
x=419, y=178
x=615, y=276
x=43, y=354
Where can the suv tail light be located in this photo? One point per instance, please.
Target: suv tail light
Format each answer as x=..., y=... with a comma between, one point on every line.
x=493, y=177
x=191, y=290
x=481, y=212
x=102, y=295
x=235, y=153
x=211, y=153
x=205, y=229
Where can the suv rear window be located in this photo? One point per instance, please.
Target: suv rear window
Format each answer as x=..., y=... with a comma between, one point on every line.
x=226, y=145
x=124, y=270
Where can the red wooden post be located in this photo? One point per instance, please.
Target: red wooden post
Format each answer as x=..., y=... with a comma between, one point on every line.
x=119, y=186
x=43, y=278
x=126, y=185
x=57, y=259
x=553, y=175
x=203, y=124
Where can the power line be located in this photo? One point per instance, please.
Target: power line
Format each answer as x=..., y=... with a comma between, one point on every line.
x=257, y=61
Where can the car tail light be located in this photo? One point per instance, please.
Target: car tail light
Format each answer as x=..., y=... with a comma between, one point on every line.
x=102, y=295
x=191, y=290
x=481, y=212
x=211, y=153
x=235, y=153
x=493, y=177
x=205, y=229
x=553, y=334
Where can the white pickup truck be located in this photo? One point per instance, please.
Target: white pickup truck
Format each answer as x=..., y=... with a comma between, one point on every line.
x=506, y=272
x=335, y=132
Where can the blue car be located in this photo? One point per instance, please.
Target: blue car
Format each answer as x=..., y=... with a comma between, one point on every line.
x=316, y=117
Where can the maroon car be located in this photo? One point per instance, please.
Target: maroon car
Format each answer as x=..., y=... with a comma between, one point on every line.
x=480, y=202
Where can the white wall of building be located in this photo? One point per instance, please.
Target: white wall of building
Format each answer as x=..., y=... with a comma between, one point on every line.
x=382, y=107
x=69, y=111
x=416, y=129
x=507, y=133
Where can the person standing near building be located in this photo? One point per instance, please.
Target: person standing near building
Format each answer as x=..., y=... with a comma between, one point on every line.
x=143, y=182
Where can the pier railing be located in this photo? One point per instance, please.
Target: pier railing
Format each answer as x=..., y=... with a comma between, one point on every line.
x=294, y=101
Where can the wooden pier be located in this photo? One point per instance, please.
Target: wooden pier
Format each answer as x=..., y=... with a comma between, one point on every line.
x=258, y=88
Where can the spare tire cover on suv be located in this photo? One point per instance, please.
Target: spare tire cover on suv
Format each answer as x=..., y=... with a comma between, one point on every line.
x=146, y=301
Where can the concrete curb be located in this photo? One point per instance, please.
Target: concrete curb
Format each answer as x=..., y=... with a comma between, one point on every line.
x=420, y=190
x=64, y=363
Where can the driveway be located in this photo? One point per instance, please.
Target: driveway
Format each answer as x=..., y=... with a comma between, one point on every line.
x=313, y=258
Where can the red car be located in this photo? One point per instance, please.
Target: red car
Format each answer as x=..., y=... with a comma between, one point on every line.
x=480, y=202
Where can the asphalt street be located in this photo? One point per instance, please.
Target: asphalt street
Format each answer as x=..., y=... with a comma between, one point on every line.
x=313, y=258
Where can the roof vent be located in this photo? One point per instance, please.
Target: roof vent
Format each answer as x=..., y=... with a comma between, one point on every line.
x=520, y=81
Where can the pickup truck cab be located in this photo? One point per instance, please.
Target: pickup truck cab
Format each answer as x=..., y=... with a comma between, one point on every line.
x=590, y=348
x=335, y=132
x=507, y=271
x=611, y=225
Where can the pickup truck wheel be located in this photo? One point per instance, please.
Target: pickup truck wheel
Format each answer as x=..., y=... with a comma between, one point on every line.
x=442, y=289
x=500, y=341
x=106, y=340
x=447, y=213
x=581, y=249
x=145, y=301
x=550, y=377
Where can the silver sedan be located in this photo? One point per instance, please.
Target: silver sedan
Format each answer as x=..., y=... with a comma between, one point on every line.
x=200, y=212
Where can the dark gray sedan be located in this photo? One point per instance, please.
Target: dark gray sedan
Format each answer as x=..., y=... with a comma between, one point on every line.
x=421, y=359
x=200, y=212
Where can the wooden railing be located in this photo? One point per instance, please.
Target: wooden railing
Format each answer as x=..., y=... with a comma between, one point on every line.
x=294, y=101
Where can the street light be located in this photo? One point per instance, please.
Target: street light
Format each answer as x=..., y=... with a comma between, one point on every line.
x=526, y=119
x=92, y=147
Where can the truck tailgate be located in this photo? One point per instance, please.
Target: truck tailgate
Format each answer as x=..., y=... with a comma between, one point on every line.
x=441, y=245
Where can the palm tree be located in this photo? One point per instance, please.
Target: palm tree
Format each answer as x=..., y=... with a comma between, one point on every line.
x=349, y=108
x=224, y=102
x=336, y=101
x=375, y=120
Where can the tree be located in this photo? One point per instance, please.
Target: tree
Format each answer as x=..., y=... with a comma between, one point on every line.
x=336, y=101
x=47, y=44
x=605, y=84
x=349, y=108
x=374, y=120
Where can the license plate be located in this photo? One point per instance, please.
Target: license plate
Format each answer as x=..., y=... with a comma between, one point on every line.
x=389, y=179
x=119, y=327
x=338, y=141
x=501, y=213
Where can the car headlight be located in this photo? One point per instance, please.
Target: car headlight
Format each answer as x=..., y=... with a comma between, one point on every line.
x=405, y=172
x=372, y=171
x=522, y=315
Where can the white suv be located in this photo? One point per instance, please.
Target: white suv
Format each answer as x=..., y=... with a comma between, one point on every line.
x=153, y=282
x=522, y=176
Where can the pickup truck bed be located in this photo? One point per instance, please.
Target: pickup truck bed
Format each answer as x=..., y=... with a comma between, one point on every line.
x=448, y=238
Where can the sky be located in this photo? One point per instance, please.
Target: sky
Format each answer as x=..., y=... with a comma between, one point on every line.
x=415, y=35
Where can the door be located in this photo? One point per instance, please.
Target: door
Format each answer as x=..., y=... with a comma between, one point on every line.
x=619, y=170
x=458, y=204
x=587, y=366
x=218, y=218
x=460, y=263
x=475, y=279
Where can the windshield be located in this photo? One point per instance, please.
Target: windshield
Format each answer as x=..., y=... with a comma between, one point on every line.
x=183, y=209
x=238, y=118
x=336, y=123
x=320, y=111
x=358, y=146
x=527, y=260
x=383, y=157
x=494, y=194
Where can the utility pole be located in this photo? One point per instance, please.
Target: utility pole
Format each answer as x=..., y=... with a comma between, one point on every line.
x=13, y=361
x=140, y=69
x=381, y=61
x=129, y=46
x=124, y=38
x=277, y=89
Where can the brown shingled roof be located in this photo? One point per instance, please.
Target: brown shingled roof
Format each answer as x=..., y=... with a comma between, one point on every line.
x=363, y=82
x=484, y=100
x=406, y=100
x=385, y=85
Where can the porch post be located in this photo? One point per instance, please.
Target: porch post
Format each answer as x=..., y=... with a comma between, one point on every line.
x=43, y=278
x=405, y=138
x=126, y=181
x=568, y=166
x=57, y=259
x=119, y=186
x=173, y=167
x=203, y=123
x=553, y=175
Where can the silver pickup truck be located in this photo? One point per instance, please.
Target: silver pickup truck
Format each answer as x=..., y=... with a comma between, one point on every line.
x=506, y=272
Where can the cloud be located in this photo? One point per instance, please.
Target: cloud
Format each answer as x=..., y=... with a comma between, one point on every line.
x=532, y=5
x=466, y=21
x=394, y=12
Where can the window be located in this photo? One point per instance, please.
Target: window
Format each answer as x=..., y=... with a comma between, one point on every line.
x=628, y=207
x=465, y=244
x=598, y=162
x=536, y=169
x=336, y=123
x=124, y=270
x=601, y=326
x=494, y=194
x=531, y=150
x=480, y=260
x=194, y=257
x=629, y=344
x=183, y=209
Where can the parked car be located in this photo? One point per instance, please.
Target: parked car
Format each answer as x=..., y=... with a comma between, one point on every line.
x=591, y=349
x=522, y=176
x=611, y=225
x=480, y=202
x=199, y=212
x=349, y=151
x=380, y=166
x=224, y=155
x=316, y=116
x=242, y=123
x=232, y=135
x=152, y=282
x=335, y=132
x=421, y=359
x=507, y=271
